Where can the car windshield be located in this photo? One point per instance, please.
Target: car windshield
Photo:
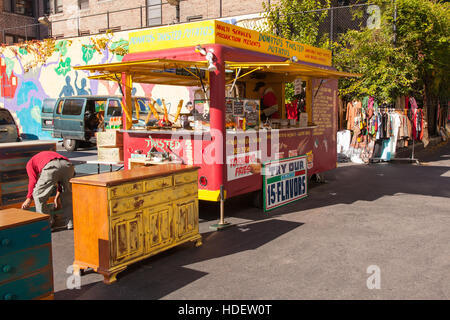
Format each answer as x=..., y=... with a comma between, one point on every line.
x=5, y=117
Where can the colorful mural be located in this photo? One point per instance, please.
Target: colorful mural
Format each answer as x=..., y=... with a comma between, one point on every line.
x=24, y=89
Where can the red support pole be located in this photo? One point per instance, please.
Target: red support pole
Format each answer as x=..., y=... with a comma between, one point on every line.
x=217, y=117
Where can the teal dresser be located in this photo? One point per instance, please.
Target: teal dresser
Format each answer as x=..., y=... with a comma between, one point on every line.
x=13, y=174
x=26, y=270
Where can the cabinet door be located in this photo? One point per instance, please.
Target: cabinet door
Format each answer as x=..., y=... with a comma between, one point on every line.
x=127, y=237
x=158, y=227
x=186, y=213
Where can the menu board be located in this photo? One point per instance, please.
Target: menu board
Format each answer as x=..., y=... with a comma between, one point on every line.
x=251, y=109
x=238, y=108
x=229, y=106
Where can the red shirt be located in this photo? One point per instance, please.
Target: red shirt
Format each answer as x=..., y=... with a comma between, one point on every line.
x=269, y=99
x=35, y=166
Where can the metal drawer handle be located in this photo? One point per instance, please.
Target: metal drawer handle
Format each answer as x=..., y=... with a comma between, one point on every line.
x=5, y=242
x=6, y=268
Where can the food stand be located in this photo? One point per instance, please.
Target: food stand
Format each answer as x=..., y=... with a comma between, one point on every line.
x=225, y=143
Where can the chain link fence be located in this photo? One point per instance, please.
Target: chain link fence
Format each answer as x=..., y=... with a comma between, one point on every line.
x=75, y=24
x=338, y=20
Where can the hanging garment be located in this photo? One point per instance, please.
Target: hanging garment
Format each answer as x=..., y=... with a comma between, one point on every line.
x=353, y=109
x=384, y=123
x=377, y=149
x=413, y=103
x=395, y=133
x=386, y=153
x=388, y=126
x=379, y=126
x=405, y=126
x=409, y=128
x=401, y=128
x=343, y=141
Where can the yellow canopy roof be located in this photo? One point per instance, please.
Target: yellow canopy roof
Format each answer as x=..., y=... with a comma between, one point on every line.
x=155, y=71
x=290, y=68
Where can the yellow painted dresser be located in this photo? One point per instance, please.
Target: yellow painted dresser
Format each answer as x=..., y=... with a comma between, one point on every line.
x=126, y=216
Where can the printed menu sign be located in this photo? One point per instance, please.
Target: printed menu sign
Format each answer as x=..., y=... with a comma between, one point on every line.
x=229, y=106
x=251, y=108
x=238, y=108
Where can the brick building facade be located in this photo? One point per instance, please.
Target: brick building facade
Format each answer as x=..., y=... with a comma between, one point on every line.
x=19, y=20
x=72, y=18
x=83, y=17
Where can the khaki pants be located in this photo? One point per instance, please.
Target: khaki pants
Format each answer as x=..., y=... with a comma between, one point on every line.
x=56, y=171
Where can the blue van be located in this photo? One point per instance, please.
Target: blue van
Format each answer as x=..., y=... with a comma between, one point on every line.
x=76, y=119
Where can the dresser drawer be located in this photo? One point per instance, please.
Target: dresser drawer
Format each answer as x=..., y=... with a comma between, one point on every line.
x=25, y=236
x=186, y=190
x=19, y=264
x=138, y=202
x=185, y=177
x=157, y=184
x=34, y=286
x=125, y=190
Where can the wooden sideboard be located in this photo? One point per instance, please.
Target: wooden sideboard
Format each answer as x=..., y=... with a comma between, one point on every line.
x=125, y=216
x=26, y=270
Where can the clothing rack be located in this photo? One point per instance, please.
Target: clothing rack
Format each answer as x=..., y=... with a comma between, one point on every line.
x=410, y=160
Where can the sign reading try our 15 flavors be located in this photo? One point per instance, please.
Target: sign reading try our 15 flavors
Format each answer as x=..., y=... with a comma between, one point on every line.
x=285, y=181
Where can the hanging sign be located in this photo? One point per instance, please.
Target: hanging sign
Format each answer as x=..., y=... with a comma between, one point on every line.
x=217, y=32
x=284, y=181
x=298, y=86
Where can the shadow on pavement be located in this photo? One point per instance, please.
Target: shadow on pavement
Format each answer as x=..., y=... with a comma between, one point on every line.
x=348, y=184
x=166, y=272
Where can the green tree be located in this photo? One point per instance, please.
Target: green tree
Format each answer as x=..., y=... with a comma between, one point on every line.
x=297, y=20
x=410, y=59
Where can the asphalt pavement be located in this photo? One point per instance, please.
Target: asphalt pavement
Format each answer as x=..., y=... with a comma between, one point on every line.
x=391, y=217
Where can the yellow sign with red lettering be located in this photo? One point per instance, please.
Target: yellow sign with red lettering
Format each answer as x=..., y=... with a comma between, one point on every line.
x=217, y=32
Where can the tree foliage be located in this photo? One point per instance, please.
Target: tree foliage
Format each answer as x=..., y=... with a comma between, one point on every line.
x=298, y=20
x=410, y=60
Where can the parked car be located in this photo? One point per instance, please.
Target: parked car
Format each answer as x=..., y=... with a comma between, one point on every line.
x=76, y=119
x=47, y=114
x=9, y=131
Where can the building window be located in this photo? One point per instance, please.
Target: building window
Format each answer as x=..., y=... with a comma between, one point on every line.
x=58, y=6
x=24, y=7
x=47, y=7
x=9, y=40
x=194, y=18
x=83, y=4
x=154, y=12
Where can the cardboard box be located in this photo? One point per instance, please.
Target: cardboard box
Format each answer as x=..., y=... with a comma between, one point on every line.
x=110, y=154
x=109, y=138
